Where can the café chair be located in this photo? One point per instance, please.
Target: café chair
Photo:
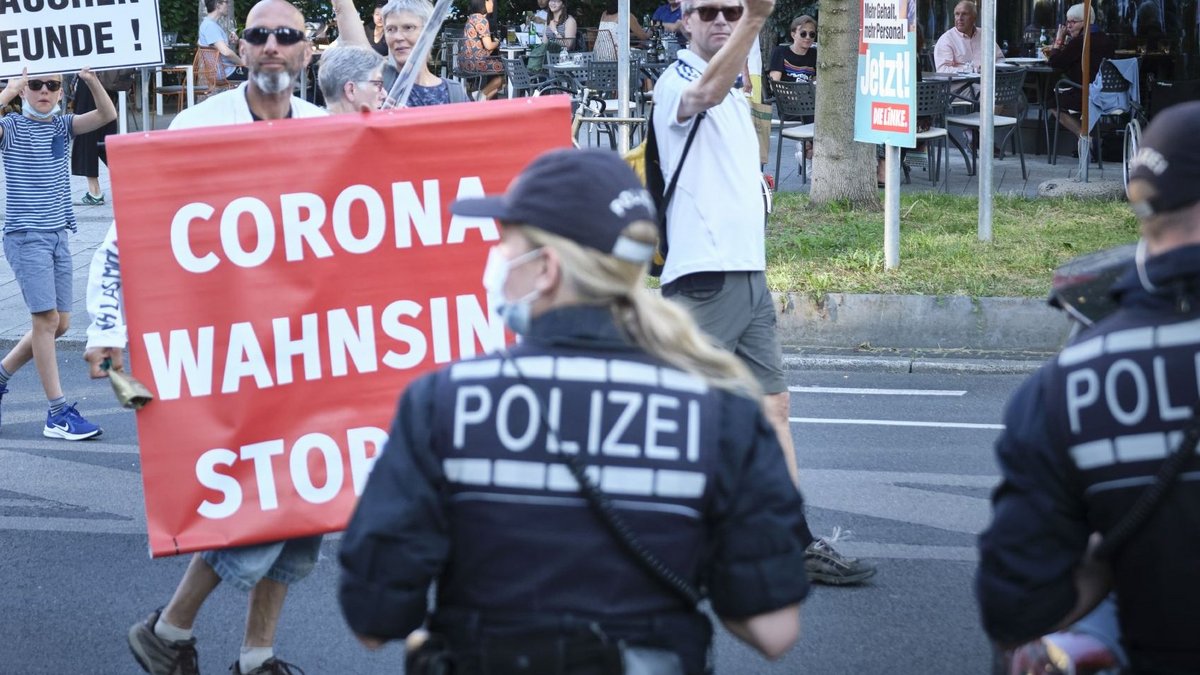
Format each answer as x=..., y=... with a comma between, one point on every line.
x=1009, y=83
x=209, y=73
x=933, y=100
x=523, y=82
x=1120, y=104
x=794, y=102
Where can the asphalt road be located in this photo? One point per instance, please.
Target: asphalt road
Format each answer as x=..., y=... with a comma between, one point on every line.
x=902, y=461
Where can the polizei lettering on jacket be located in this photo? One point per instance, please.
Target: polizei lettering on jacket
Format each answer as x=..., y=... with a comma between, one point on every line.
x=643, y=419
x=1123, y=385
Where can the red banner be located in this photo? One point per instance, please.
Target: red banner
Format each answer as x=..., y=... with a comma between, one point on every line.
x=283, y=282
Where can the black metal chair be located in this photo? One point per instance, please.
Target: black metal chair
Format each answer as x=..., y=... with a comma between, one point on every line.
x=794, y=103
x=1008, y=96
x=522, y=81
x=933, y=102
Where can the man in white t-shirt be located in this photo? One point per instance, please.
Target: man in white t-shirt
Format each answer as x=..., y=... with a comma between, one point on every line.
x=212, y=34
x=716, y=259
x=275, y=50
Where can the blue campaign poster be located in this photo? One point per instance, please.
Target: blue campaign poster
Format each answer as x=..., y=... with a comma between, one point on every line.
x=885, y=107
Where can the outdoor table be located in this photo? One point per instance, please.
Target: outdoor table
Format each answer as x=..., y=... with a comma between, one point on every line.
x=188, y=79
x=568, y=73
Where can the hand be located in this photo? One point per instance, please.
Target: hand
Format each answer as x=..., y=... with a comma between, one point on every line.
x=88, y=76
x=760, y=8
x=95, y=357
x=369, y=642
x=748, y=88
x=17, y=84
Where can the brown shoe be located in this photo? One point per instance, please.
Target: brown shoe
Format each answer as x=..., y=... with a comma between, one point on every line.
x=158, y=656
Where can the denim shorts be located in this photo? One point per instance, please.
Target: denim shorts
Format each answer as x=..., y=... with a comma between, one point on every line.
x=41, y=264
x=284, y=561
x=737, y=310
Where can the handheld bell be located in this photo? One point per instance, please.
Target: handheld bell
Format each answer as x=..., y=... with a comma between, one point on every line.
x=130, y=393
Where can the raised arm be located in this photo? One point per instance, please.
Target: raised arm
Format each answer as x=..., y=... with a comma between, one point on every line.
x=350, y=26
x=105, y=111
x=727, y=63
x=13, y=89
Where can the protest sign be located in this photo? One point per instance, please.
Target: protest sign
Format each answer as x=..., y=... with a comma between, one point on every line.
x=885, y=107
x=283, y=282
x=60, y=36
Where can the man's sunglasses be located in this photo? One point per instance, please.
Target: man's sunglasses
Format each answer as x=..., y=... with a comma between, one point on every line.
x=710, y=13
x=805, y=34
x=283, y=35
x=52, y=85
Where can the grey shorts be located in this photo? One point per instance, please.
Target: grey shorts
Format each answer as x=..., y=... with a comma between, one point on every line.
x=736, y=308
x=41, y=264
x=284, y=561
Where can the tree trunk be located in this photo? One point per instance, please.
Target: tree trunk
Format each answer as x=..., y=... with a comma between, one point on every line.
x=842, y=168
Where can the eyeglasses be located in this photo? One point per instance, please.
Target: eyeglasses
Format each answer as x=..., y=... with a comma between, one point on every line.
x=283, y=35
x=805, y=34
x=51, y=85
x=708, y=14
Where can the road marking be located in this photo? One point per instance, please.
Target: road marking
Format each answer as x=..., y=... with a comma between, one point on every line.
x=877, y=392
x=893, y=423
x=22, y=416
x=89, y=445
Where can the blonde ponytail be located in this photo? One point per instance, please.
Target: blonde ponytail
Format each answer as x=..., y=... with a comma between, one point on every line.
x=661, y=328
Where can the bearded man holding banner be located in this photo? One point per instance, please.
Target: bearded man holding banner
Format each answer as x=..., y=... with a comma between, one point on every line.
x=275, y=50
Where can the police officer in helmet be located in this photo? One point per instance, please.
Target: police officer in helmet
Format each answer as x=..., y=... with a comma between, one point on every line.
x=1087, y=439
x=474, y=493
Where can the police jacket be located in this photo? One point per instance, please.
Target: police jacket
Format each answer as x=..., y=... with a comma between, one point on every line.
x=470, y=492
x=1083, y=438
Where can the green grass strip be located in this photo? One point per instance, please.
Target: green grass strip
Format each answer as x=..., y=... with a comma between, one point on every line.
x=817, y=250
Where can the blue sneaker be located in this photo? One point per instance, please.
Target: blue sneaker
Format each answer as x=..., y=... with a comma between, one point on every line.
x=68, y=424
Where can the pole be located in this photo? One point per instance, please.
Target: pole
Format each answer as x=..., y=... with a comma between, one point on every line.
x=987, y=116
x=122, y=111
x=1085, y=139
x=622, y=74
x=891, y=206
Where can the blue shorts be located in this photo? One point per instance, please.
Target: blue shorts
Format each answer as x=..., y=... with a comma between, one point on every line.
x=284, y=561
x=41, y=264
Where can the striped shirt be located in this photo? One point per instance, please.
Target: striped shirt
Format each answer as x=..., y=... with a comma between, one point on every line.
x=36, y=181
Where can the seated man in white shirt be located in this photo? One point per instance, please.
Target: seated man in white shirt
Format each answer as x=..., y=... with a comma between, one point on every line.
x=961, y=47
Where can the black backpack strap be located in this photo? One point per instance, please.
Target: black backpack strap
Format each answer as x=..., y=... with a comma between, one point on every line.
x=670, y=189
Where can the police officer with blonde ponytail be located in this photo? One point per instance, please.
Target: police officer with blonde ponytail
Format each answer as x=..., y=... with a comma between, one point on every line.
x=574, y=498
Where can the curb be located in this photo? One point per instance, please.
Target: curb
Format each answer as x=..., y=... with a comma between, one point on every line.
x=899, y=364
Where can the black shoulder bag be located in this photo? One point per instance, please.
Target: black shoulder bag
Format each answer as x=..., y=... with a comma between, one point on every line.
x=662, y=195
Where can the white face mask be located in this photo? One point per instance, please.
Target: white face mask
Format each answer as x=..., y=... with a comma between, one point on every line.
x=516, y=314
x=30, y=111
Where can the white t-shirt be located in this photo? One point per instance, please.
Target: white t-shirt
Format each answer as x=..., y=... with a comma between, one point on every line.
x=717, y=216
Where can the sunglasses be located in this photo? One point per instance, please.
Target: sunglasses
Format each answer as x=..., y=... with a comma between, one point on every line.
x=283, y=35
x=708, y=14
x=51, y=85
x=805, y=34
